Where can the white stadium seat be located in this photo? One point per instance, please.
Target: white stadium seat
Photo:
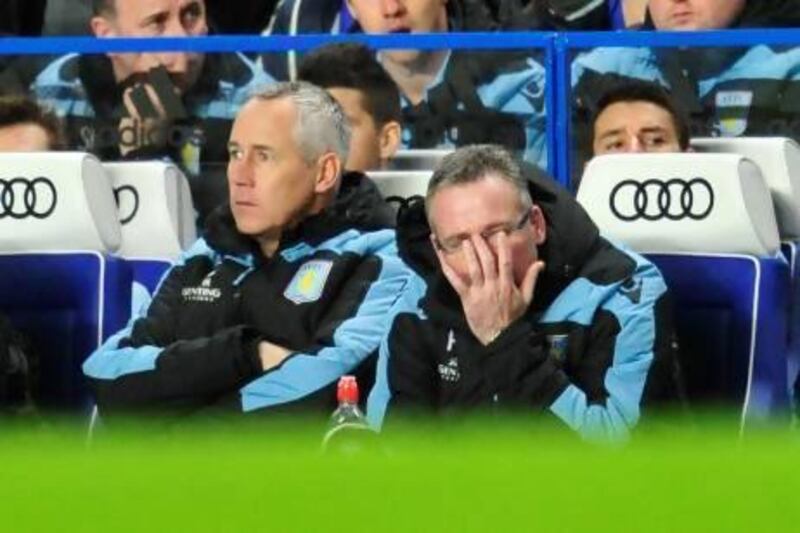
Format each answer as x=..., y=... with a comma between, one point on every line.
x=779, y=161
x=401, y=184
x=157, y=218
x=56, y=201
x=681, y=203
x=155, y=209
x=418, y=158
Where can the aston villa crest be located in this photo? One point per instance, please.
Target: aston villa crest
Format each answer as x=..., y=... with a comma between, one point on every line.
x=308, y=282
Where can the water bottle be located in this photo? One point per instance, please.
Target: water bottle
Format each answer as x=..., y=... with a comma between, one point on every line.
x=348, y=430
x=347, y=395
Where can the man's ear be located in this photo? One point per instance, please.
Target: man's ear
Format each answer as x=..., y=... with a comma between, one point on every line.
x=330, y=169
x=539, y=225
x=101, y=27
x=389, y=141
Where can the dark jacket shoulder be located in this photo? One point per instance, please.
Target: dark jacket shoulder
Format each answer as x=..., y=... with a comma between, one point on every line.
x=358, y=205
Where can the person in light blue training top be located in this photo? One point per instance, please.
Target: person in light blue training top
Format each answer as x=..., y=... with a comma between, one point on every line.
x=152, y=105
x=724, y=91
x=290, y=288
x=521, y=307
x=461, y=97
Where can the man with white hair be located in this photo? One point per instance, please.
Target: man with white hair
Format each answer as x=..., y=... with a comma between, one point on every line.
x=289, y=289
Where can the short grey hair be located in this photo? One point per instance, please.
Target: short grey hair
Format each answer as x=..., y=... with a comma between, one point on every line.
x=321, y=124
x=473, y=163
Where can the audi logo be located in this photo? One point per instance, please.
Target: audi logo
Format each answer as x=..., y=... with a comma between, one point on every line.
x=24, y=197
x=653, y=199
x=127, y=199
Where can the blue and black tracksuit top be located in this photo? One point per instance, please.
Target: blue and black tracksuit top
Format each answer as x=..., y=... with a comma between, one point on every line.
x=325, y=295
x=595, y=347
x=483, y=97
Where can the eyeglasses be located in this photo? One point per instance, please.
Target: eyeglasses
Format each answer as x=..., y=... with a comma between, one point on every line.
x=453, y=245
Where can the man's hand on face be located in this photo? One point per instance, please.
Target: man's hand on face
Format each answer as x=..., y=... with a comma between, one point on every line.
x=490, y=297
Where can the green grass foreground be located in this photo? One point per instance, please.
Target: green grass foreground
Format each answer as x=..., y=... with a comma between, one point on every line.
x=478, y=477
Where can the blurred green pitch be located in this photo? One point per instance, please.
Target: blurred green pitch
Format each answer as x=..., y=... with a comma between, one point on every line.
x=482, y=477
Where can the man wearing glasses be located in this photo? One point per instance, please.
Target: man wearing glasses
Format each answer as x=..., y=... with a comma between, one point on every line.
x=521, y=306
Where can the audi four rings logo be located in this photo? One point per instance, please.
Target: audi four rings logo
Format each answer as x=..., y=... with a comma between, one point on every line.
x=653, y=199
x=127, y=199
x=26, y=197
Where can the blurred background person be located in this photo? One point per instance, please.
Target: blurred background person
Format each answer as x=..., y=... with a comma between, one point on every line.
x=456, y=98
x=26, y=127
x=178, y=105
x=725, y=91
x=368, y=96
x=69, y=17
x=635, y=116
x=688, y=15
x=297, y=17
x=638, y=117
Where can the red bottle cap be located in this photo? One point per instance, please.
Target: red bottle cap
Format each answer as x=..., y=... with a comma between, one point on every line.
x=347, y=391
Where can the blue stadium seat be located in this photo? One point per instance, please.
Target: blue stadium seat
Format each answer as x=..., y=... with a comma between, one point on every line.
x=790, y=250
x=779, y=161
x=707, y=221
x=59, y=284
x=148, y=273
x=67, y=304
x=731, y=316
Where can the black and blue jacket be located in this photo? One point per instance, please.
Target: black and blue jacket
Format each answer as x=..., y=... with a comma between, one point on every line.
x=595, y=348
x=482, y=97
x=325, y=295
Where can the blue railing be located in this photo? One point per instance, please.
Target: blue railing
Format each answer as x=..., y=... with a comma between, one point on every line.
x=556, y=49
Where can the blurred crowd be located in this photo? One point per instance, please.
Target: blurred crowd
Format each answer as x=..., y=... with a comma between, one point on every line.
x=180, y=106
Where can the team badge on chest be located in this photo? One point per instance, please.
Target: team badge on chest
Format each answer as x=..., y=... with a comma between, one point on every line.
x=732, y=110
x=308, y=282
x=556, y=346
